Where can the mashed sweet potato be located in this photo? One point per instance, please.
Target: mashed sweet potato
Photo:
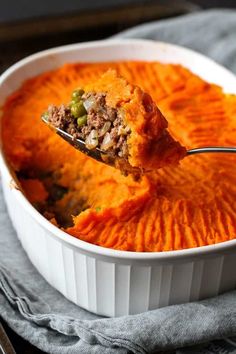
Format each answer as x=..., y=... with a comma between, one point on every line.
x=174, y=208
x=150, y=146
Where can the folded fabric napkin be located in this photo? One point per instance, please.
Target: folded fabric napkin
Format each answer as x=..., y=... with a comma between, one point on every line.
x=45, y=318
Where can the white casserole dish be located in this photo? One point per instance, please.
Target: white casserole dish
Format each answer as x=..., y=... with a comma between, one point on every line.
x=107, y=281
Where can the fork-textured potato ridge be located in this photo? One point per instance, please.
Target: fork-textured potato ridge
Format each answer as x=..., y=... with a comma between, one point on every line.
x=180, y=207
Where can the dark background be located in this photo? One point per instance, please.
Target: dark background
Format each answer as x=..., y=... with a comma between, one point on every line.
x=12, y=10
x=27, y=26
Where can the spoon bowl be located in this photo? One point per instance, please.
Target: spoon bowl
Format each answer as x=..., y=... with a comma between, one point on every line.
x=103, y=156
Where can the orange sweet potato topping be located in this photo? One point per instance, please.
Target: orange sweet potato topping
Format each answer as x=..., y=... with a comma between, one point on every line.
x=186, y=206
x=150, y=145
x=35, y=190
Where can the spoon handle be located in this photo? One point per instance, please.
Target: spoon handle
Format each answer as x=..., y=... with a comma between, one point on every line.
x=211, y=149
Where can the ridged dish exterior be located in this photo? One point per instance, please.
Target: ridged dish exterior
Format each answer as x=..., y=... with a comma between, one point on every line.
x=116, y=288
x=102, y=282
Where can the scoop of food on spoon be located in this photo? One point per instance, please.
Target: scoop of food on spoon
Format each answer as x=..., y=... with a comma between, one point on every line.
x=117, y=123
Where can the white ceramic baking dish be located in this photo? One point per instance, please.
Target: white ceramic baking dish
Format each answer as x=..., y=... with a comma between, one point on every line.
x=106, y=281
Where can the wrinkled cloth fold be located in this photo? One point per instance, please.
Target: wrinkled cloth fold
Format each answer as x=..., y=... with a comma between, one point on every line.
x=45, y=318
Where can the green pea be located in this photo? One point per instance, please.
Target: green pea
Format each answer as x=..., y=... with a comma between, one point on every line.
x=98, y=209
x=73, y=102
x=82, y=120
x=76, y=94
x=78, y=110
x=45, y=115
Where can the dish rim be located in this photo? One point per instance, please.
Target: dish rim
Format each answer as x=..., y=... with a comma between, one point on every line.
x=62, y=235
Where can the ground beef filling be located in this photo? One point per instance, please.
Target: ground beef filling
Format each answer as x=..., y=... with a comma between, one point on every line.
x=90, y=119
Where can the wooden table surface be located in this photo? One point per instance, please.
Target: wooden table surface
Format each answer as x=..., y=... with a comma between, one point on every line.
x=14, y=344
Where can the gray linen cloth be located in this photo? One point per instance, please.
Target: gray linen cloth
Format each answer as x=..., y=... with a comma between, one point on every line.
x=45, y=318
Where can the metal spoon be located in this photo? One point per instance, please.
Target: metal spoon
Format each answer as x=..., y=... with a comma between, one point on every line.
x=102, y=156
x=79, y=144
x=215, y=149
